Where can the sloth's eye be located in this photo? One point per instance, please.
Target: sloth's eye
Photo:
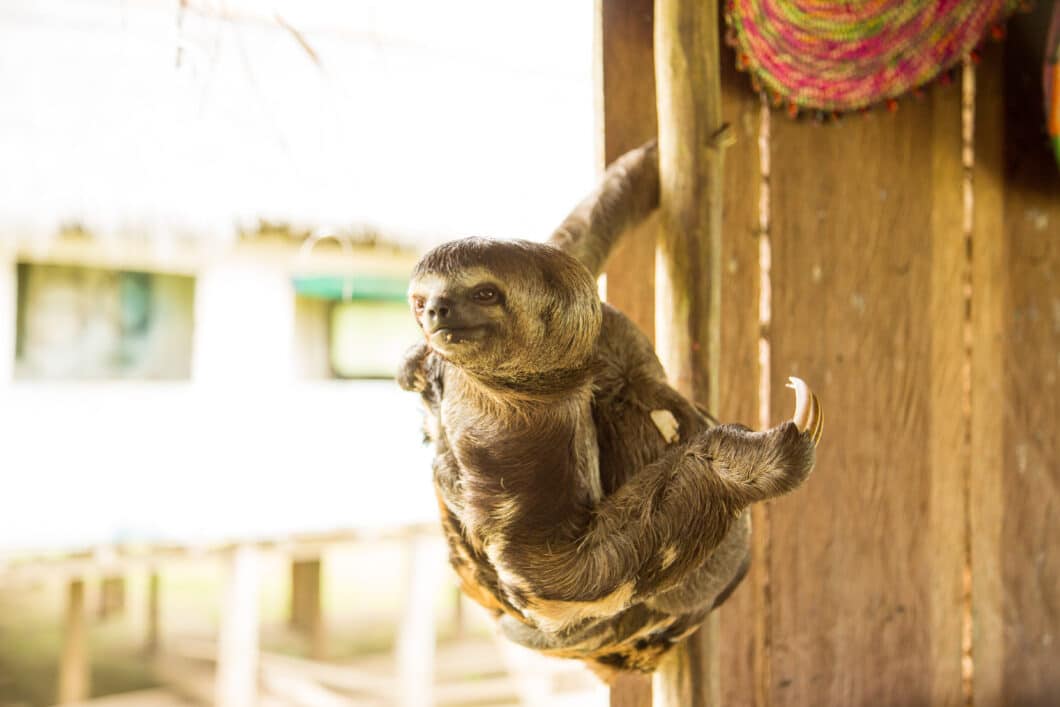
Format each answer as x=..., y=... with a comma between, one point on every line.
x=418, y=303
x=485, y=295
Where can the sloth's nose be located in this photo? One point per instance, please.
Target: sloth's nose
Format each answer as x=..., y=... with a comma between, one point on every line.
x=438, y=309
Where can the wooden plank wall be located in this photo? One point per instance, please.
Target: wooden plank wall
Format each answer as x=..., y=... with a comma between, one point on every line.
x=865, y=560
x=626, y=76
x=921, y=562
x=1015, y=507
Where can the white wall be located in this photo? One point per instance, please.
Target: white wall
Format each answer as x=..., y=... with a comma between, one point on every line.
x=244, y=324
x=189, y=462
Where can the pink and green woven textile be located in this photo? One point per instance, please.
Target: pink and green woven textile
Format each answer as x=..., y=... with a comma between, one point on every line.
x=836, y=56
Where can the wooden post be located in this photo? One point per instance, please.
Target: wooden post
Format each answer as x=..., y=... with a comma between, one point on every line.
x=8, y=315
x=744, y=363
x=154, y=627
x=416, y=636
x=74, y=680
x=237, y=647
x=688, y=275
x=111, y=596
x=626, y=78
x=306, y=608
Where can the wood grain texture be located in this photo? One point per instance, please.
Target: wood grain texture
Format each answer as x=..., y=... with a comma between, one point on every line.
x=943, y=535
x=988, y=304
x=631, y=690
x=626, y=74
x=738, y=359
x=867, y=307
x=1016, y=394
x=688, y=674
x=688, y=282
x=688, y=274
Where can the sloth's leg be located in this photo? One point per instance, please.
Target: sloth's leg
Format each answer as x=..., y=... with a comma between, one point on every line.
x=628, y=192
x=666, y=520
x=756, y=466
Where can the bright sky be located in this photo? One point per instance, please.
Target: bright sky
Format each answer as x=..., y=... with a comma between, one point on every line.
x=428, y=119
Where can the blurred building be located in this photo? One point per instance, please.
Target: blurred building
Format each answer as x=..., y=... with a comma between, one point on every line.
x=206, y=390
x=271, y=305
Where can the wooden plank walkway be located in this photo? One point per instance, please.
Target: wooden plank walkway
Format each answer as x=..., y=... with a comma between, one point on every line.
x=160, y=697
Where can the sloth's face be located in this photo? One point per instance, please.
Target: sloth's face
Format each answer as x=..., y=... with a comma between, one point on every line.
x=465, y=316
x=505, y=308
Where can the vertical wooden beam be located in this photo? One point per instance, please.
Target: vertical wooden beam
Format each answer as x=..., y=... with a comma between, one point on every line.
x=948, y=453
x=416, y=639
x=237, y=646
x=688, y=282
x=989, y=255
x=306, y=611
x=8, y=314
x=74, y=680
x=627, y=115
x=741, y=617
x=1016, y=380
x=154, y=609
x=626, y=76
x=688, y=276
x=111, y=596
x=868, y=307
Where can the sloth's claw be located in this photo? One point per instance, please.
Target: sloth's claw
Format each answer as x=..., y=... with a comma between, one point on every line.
x=808, y=415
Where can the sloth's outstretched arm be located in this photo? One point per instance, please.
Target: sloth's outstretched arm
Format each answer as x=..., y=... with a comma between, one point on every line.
x=669, y=517
x=628, y=193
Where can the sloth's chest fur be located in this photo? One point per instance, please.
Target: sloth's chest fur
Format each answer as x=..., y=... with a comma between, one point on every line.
x=532, y=471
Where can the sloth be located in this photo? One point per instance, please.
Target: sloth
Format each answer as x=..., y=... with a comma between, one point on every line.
x=596, y=512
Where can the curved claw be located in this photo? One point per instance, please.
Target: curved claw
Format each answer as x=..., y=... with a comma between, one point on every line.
x=808, y=415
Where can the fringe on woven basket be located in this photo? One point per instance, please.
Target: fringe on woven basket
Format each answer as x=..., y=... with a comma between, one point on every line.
x=946, y=77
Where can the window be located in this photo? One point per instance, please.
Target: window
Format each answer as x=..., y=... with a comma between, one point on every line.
x=364, y=322
x=369, y=339
x=78, y=323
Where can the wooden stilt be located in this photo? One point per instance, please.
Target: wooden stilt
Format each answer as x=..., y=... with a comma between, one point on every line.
x=237, y=659
x=154, y=627
x=111, y=597
x=74, y=682
x=416, y=639
x=306, y=607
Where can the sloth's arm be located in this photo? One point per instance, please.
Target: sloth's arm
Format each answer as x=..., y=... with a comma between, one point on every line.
x=669, y=517
x=412, y=374
x=628, y=192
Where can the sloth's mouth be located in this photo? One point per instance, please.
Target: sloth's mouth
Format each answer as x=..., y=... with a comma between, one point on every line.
x=449, y=336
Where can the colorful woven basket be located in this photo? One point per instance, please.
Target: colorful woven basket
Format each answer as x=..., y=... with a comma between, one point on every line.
x=833, y=55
